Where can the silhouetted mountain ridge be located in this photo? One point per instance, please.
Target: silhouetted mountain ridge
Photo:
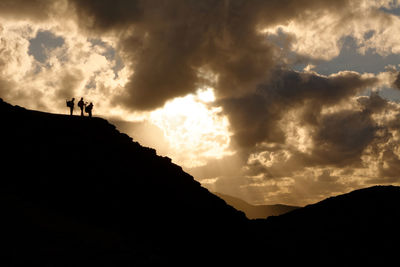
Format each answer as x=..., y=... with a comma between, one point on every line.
x=77, y=192
x=357, y=228
x=356, y=206
x=79, y=180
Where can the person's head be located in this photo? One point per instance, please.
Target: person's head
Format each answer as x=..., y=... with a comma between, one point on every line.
x=73, y=99
x=81, y=98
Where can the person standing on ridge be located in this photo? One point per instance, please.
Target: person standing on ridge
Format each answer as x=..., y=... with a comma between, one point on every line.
x=81, y=105
x=71, y=104
x=89, y=108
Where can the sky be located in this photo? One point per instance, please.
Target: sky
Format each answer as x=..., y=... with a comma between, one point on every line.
x=288, y=101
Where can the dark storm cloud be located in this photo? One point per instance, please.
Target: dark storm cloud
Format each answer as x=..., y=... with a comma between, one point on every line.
x=168, y=42
x=37, y=10
x=340, y=140
x=342, y=137
x=339, y=137
x=374, y=103
x=172, y=46
x=396, y=83
x=255, y=117
x=390, y=167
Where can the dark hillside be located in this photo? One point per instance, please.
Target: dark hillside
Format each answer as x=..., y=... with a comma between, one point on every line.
x=76, y=192
x=358, y=228
x=74, y=186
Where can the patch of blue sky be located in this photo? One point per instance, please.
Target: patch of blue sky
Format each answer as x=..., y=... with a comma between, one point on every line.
x=370, y=62
x=44, y=41
x=395, y=8
x=110, y=54
x=350, y=59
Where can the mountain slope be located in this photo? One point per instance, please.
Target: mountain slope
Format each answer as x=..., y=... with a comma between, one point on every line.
x=74, y=186
x=255, y=211
x=76, y=192
x=358, y=228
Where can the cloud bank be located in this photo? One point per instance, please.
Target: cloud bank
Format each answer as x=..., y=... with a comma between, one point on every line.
x=296, y=136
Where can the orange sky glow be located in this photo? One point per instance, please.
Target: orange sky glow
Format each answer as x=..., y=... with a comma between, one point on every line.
x=267, y=102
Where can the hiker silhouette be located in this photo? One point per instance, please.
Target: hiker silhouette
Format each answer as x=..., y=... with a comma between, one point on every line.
x=89, y=108
x=71, y=104
x=81, y=105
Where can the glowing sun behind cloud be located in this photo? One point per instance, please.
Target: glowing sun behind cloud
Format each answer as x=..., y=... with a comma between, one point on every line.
x=195, y=130
x=292, y=119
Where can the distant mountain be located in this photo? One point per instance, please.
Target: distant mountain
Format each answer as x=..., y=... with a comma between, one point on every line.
x=255, y=211
x=74, y=186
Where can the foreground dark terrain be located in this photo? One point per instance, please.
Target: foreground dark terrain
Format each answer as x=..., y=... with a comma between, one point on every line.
x=355, y=229
x=76, y=192
x=75, y=186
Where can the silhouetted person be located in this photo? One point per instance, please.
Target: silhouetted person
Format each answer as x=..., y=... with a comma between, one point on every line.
x=89, y=108
x=71, y=104
x=81, y=105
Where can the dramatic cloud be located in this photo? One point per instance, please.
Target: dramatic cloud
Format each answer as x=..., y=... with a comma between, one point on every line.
x=354, y=141
x=255, y=117
x=37, y=10
x=169, y=43
x=397, y=81
x=321, y=35
x=229, y=89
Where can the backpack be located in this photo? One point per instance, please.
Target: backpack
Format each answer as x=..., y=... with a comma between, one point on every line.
x=69, y=104
x=87, y=109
